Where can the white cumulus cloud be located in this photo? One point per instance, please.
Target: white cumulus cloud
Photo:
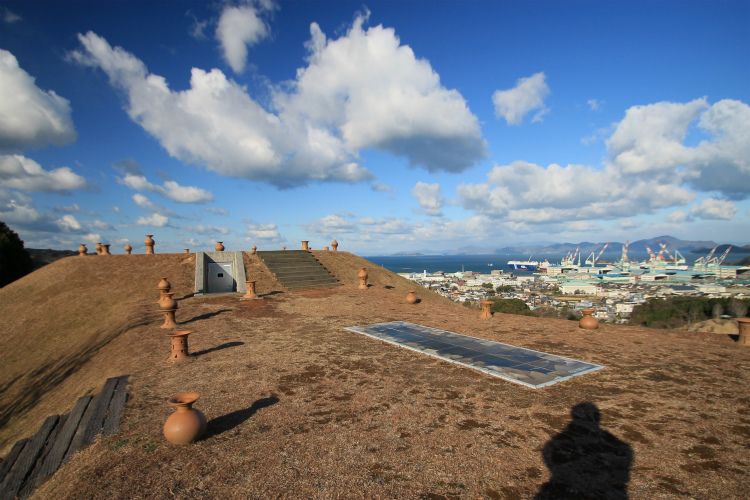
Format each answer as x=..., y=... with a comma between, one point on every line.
x=528, y=95
x=429, y=198
x=525, y=192
x=19, y=172
x=651, y=166
x=714, y=209
x=171, y=189
x=330, y=224
x=156, y=220
x=362, y=90
x=651, y=140
x=259, y=232
x=30, y=116
x=241, y=27
x=207, y=229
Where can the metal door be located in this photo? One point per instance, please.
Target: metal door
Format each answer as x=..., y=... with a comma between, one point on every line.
x=220, y=278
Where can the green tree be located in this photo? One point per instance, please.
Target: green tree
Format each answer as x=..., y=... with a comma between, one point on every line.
x=15, y=261
x=511, y=306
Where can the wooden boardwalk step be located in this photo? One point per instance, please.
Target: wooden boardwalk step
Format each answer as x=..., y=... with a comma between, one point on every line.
x=27, y=460
x=31, y=460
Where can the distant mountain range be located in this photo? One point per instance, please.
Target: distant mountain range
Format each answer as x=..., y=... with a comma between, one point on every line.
x=684, y=246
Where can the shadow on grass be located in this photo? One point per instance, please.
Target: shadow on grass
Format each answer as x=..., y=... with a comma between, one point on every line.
x=205, y=316
x=231, y=420
x=276, y=292
x=226, y=345
x=585, y=461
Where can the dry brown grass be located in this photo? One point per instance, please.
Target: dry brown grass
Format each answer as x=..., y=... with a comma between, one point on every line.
x=298, y=407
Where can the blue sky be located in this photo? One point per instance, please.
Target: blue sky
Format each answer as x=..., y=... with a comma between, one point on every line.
x=389, y=126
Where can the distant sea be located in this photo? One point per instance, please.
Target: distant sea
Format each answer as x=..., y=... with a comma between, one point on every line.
x=484, y=263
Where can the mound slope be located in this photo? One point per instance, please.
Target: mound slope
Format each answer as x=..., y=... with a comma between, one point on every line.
x=298, y=407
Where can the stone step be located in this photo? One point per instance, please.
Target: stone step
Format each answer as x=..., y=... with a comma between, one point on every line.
x=297, y=269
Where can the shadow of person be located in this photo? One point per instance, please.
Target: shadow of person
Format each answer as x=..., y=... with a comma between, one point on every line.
x=585, y=461
x=231, y=420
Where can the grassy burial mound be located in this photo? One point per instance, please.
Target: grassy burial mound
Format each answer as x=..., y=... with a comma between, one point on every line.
x=299, y=407
x=65, y=329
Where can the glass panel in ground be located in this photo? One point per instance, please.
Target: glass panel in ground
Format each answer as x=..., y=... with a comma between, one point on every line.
x=524, y=366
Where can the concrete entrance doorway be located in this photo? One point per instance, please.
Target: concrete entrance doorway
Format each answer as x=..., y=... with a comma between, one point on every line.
x=220, y=278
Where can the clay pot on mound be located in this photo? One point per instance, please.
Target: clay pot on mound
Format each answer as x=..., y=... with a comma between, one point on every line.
x=335, y=245
x=105, y=250
x=166, y=302
x=149, y=242
x=362, y=278
x=255, y=249
x=98, y=248
x=588, y=322
x=187, y=424
x=128, y=249
x=187, y=250
x=164, y=286
x=744, y=325
x=304, y=245
x=82, y=250
x=219, y=246
x=168, y=306
x=411, y=298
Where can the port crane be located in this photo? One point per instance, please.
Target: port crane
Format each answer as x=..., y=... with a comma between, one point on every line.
x=677, y=259
x=592, y=260
x=702, y=262
x=716, y=261
x=624, y=262
x=652, y=257
x=571, y=259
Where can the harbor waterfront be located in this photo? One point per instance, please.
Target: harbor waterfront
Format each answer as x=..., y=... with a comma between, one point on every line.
x=485, y=263
x=566, y=290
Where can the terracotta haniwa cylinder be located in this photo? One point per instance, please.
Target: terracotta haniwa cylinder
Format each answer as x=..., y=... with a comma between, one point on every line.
x=326, y=249
x=588, y=322
x=149, y=242
x=187, y=424
x=304, y=245
x=255, y=249
x=187, y=250
x=250, y=294
x=362, y=278
x=744, y=324
x=486, y=312
x=82, y=250
x=283, y=249
x=128, y=249
x=105, y=250
x=335, y=245
x=179, y=348
x=219, y=246
x=98, y=248
x=411, y=298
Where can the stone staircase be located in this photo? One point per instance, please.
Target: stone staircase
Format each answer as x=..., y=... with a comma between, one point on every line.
x=298, y=269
